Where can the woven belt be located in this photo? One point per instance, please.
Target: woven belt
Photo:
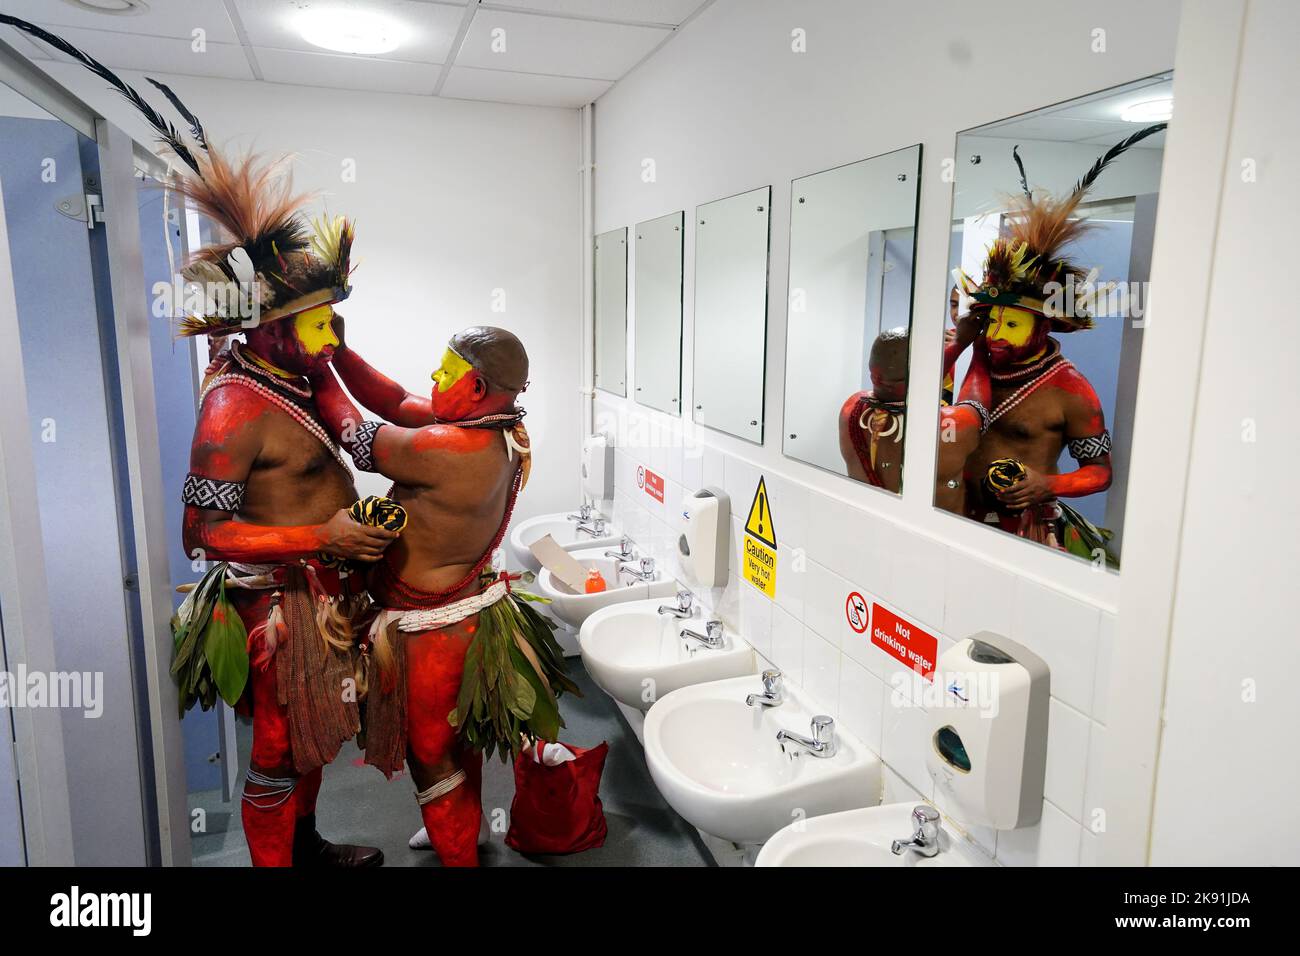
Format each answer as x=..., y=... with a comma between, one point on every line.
x=426, y=619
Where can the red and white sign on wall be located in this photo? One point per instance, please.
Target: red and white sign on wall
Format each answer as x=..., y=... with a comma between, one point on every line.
x=904, y=641
x=653, y=485
x=855, y=610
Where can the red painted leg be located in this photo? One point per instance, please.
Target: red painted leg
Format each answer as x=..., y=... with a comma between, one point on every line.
x=452, y=822
x=308, y=788
x=435, y=660
x=268, y=816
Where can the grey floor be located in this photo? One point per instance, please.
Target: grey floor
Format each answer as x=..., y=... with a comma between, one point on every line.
x=357, y=805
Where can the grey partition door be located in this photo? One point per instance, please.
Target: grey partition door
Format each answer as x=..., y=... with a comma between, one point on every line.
x=48, y=170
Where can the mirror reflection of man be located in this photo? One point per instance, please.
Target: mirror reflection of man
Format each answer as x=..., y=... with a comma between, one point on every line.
x=871, y=422
x=1042, y=404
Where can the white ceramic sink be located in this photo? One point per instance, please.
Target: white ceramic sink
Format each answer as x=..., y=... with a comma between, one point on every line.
x=565, y=532
x=573, y=609
x=862, y=838
x=637, y=655
x=717, y=761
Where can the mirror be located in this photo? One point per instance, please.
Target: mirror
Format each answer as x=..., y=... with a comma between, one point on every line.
x=1047, y=288
x=852, y=244
x=657, y=312
x=731, y=245
x=611, y=311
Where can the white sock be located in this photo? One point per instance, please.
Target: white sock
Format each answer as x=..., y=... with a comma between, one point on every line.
x=420, y=840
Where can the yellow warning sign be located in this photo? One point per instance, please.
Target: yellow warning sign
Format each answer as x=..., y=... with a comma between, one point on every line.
x=759, y=565
x=760, y=517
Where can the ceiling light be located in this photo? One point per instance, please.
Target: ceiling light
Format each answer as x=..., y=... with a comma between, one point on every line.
x=1149, y=111
x=115, y=8
x=350, y=31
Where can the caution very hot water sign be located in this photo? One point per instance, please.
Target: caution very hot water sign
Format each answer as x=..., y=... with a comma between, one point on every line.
x=759, y=564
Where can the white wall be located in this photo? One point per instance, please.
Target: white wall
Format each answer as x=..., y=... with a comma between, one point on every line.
x=726, y=106
x=1227, y=781
x=452, y=201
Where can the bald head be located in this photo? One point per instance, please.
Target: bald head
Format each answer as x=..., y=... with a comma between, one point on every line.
x=495, y=354
x=888, y=364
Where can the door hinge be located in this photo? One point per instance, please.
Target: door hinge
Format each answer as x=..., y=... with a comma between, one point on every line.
x=84, y=207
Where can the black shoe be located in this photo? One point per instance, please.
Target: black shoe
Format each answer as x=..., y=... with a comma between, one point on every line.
x=310, y=849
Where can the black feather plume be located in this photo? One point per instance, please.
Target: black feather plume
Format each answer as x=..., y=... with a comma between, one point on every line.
x=1090, y=177
x=166, y=131
x=196, y=128
x=1024, y=183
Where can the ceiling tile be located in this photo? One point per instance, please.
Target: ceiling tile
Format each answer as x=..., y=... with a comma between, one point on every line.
x=126, y=51
x=164, y=18
x=529, y=89
x=576, y=48
x=432, y=26
x=636, y=11
x=340, y=71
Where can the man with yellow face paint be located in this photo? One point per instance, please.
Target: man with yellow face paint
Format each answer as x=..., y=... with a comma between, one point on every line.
x=1041, y=404
x=457, y=458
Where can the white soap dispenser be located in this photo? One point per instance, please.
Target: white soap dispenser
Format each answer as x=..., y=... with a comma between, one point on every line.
x=988, y=739
x=597, y=468
x=704, y=525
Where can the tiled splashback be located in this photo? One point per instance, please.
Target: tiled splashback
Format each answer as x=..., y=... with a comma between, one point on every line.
x=827, y=549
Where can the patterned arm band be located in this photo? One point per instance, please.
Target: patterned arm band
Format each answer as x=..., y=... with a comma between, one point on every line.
x=213, y=493
x=979, y=410
x=1082, y=449
x=363, y=445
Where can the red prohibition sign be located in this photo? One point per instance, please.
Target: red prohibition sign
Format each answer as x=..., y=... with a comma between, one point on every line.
x=855, y=609
x=640, y=476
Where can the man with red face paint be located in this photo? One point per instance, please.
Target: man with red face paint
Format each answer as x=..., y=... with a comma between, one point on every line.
x=268, y=493
x=458, y=459
x=1042, y=404
x=267, y=488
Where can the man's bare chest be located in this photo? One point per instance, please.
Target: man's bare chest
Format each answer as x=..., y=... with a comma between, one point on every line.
x=1028, y=417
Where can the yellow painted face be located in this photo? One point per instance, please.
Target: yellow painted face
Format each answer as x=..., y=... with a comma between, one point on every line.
x=315, y=329
x=1010, y=325
x=452, y=370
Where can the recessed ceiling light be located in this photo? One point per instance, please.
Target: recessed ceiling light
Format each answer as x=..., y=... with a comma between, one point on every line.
x=114, y=8
x=1149, y=111
x=350, y=31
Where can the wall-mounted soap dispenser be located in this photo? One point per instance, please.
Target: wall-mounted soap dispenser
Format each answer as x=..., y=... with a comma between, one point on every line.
x=702, y=544
x=988, y=740
x=597, y=468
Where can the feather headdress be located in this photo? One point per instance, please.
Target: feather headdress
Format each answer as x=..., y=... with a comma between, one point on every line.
x=273, y=261
x=1022, y=262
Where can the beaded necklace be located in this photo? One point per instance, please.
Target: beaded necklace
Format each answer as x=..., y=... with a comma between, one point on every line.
x=266, y=375
x=1024, y=391
x=503, y=420
x=290, y=408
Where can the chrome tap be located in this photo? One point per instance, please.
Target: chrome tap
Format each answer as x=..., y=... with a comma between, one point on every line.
x=925, y=841
x=596, y=529
x=712, y=639
x=773, y=691
x=646, y=570
x=584, y=514
x=624, y=552
x=685, y=601
x=820, y=744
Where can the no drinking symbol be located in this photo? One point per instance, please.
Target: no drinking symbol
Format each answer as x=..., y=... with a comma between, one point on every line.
x=855, y=609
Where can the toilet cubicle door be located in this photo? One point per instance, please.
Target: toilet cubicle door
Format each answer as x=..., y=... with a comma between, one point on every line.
x=209, y=759
x=72, y=420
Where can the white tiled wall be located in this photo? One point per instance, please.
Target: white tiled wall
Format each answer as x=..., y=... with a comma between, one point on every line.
x=828, y=548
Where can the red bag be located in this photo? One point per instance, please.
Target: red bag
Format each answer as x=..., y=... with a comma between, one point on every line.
x=557, y=809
